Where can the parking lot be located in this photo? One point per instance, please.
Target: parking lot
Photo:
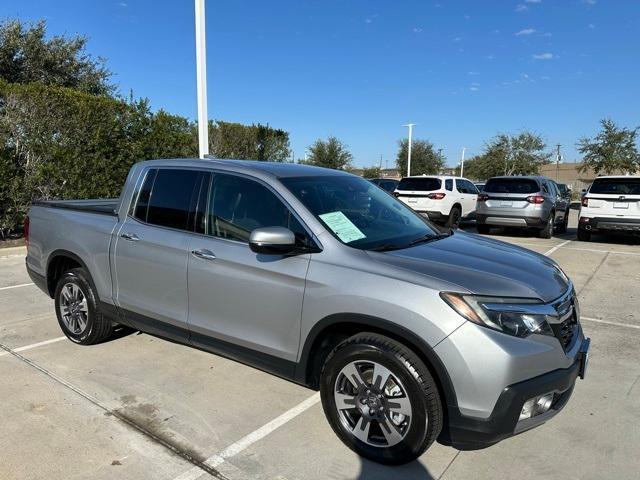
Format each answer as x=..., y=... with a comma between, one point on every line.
x=140, y=407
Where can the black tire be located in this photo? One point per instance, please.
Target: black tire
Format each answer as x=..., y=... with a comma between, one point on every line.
x=454, y=217
x=426, y=415
x=547, y=231
x=584, y=235
x=562, y=228
x=483, y=229
x=97, y=327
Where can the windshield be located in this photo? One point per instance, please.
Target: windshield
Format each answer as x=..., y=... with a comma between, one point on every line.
x=616, y=186
x=426, y=184
x=511, y=185
x=360, y=214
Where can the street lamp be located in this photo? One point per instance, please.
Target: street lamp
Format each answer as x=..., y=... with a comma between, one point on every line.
x=410, y=125
x=462, y=162
x=201, y=80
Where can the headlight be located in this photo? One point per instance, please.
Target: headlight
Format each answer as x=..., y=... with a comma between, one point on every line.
x=519, y=317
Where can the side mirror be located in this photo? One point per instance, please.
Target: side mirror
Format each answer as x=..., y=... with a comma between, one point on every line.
x=272, y=240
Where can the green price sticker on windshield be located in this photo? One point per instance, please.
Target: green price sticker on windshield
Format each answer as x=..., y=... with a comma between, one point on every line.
x=342, y=226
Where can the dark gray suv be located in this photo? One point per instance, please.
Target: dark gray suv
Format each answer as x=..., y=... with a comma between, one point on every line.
x=526, y=202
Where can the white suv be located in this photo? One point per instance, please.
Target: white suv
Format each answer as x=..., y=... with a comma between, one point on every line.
x=443, y=199
x=610, y=204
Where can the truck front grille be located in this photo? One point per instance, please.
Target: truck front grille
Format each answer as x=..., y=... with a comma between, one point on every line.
x=568, y=310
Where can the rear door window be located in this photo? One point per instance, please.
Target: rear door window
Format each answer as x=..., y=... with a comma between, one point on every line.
x=511, y=185
x=616, y=186
x=172, y=196
x=426, y=184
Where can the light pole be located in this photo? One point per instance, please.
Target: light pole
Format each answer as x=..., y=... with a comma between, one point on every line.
x=201, y=80
x=558, y=157
x=462, y=162
x=410, y=125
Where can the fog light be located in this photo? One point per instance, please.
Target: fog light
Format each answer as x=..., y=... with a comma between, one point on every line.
x=536, y=406
x=527, y=409
x=544, y=403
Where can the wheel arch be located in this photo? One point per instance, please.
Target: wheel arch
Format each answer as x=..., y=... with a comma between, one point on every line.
x=331, y=330
x=61, y=261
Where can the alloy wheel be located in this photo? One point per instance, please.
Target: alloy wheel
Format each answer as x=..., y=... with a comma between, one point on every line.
x=73, y=308
x=372, y=403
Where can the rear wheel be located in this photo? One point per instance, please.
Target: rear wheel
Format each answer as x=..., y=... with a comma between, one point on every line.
x=380, y=399
x=547, y=231
x=483, y=229
x=584, y=235
x=454, y=217
x=77, y=310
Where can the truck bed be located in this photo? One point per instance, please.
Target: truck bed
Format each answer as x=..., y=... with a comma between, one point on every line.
x=103, y=206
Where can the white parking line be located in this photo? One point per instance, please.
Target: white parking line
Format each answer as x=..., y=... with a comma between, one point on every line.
x=550, y=251
x=34, y=345
x=607, y=322
x=216, y=460
x=16, y=286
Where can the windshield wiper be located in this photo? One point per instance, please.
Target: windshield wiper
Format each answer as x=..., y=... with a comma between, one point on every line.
x=429, y=238
x=385, y=247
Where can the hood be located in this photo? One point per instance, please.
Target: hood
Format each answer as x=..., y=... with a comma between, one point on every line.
x=481, y=266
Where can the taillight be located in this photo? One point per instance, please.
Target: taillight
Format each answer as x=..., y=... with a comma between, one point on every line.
x=483, y=197
x=585, y=202
x=25, y=230
x=537, y=199
x=436, y=196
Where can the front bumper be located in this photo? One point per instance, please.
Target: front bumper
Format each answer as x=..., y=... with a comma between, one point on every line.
x=614, y=224
x=470, y=433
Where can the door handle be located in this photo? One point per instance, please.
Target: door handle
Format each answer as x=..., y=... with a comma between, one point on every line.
x=203, y=254
x=132, y=237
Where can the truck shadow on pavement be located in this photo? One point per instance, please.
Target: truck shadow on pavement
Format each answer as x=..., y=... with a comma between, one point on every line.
x=411, y=471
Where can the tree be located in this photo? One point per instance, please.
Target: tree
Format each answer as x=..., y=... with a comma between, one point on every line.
x=331, y=153
x=26, y=56
x=372, y=172
x=612, y=150
x=521, y=154
x=248, y=142
x=424, y=158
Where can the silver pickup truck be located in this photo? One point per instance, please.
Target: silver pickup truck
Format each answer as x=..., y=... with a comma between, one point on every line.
x=411, y=334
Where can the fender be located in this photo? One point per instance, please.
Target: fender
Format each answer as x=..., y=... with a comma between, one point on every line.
x=380, y=325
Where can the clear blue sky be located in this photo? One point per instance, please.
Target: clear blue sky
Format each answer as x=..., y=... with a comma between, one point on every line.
x=463, y=71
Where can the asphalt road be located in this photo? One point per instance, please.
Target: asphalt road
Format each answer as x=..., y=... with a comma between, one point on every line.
x=139, y=407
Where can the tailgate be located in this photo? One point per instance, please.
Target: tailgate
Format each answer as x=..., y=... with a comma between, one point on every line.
x=615, y=197
x=614, y=205
x=416, y=200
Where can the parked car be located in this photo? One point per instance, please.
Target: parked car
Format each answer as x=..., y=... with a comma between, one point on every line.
x=524, y=202
x=411, y=335
x=565, y=191
x=480, y=185
x=612, y=204
x=387, y=184
x=443, y=199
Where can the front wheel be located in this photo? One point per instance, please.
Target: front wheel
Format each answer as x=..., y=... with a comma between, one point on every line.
x=547, y=231
x=562, y=228
x=380, y=399
x=454, y=217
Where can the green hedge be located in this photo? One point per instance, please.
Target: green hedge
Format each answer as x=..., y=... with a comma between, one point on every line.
x=61, y=143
